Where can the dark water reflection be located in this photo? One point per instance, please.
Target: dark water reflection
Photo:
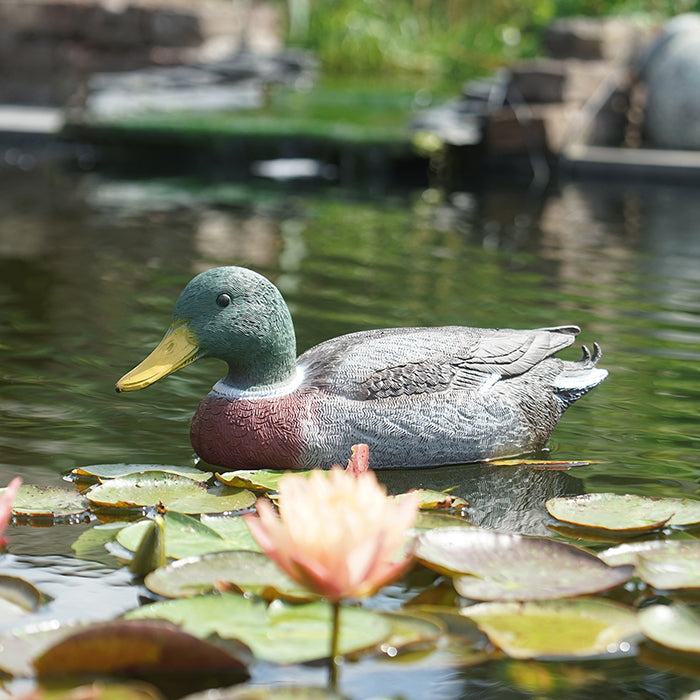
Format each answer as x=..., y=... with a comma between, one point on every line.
x=90, y=269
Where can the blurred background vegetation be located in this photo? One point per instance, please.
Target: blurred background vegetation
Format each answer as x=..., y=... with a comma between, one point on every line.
x=448, y=41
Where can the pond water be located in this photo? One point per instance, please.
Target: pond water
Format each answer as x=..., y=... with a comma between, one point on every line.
x=90, y=268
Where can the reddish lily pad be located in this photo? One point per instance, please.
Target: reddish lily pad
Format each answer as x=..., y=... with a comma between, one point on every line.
x=249, y=572
x=172, y=491
x=280, y=632
x=628, y=513
x=48, y=502
x=504, y=566
x=100, y=472
x=134, y=646
x=21, y=593
x=674, y=626
x=557, y=628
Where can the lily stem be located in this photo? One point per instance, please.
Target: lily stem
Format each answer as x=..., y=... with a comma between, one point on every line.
x=334, y=660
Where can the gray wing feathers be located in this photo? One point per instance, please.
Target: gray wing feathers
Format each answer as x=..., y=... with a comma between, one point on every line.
x=405, y=361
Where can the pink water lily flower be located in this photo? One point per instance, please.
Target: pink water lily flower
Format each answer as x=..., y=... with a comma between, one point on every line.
x=6, y=506
x=338, y=533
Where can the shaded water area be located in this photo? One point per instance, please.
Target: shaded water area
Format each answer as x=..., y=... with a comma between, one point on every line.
x=90, y=267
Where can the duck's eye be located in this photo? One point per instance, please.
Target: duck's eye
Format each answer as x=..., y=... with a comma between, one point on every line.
x=223, y=300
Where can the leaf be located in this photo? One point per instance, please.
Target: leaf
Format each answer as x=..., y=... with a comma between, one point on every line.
x=503, y=566
x=255, y=479
x=250, y=572
x=430, y=520
x=628, y=513
x=20, y=645
x=101, y=690
x=185, y=536
x=411, y=628
x=539, y=463
x=234, y=530
x=113, y=471
x=563, y=628
x=627, y=553
x=174, y=492
x=150, y=554
x=280, y=632
x=20, y=593
x=674, y=626
x=134, y=646
x=675, y=566
x=429, y=499
x=48, y=502
x=267, y=692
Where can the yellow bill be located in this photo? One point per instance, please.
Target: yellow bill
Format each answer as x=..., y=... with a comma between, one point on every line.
x=177, y=349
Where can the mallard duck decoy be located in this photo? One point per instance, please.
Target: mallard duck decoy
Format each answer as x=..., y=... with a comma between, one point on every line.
x=418, y=397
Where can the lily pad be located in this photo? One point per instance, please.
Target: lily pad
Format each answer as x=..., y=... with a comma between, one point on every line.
x=250, y=572
x=436, y=500
x=628, y=513
x=186, y=536
x=627, y=552
x=430, y=520
x=280, y=632
x=101, y=690
x=674, y=626
x=503, y=566
x=174, y=492
x=134, y=646
x=48, y=502
x=560, y=628
x=267, y=692
x=101, y=472
x=546, y=464
x=255, y=479
x=20, y=593
x=410, y=629
x=676, y=566
x=234, y=530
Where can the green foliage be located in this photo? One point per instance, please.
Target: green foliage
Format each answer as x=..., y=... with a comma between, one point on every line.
x=445, y=39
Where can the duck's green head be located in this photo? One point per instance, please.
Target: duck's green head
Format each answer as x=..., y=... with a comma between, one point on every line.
x=232, y=314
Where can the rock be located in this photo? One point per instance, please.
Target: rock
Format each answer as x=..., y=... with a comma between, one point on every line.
x=672, y=75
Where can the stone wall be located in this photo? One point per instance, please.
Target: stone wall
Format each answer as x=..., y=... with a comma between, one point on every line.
x=49, y=48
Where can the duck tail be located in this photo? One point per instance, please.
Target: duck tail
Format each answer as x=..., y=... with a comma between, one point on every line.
x=578, y=378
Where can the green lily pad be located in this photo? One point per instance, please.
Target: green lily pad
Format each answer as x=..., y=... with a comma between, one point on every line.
x=174, y=492
x=410, y=629
x=90, y=545
x=255, y=479
x=628, y=513
x=676, y=566
x=234, y=530
x=101, y=690
x=48, y=502
x=249, y=572
x=557, y=628
x=435, y=500
x=430, y=520
x=134, y=646
x=267, y=692
x=280, y=632
x=186, y=536
x=101, y=472
x=674, y=626
x=627, y=552
x=21, y=594
x=546, y=464
x=503, y=566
